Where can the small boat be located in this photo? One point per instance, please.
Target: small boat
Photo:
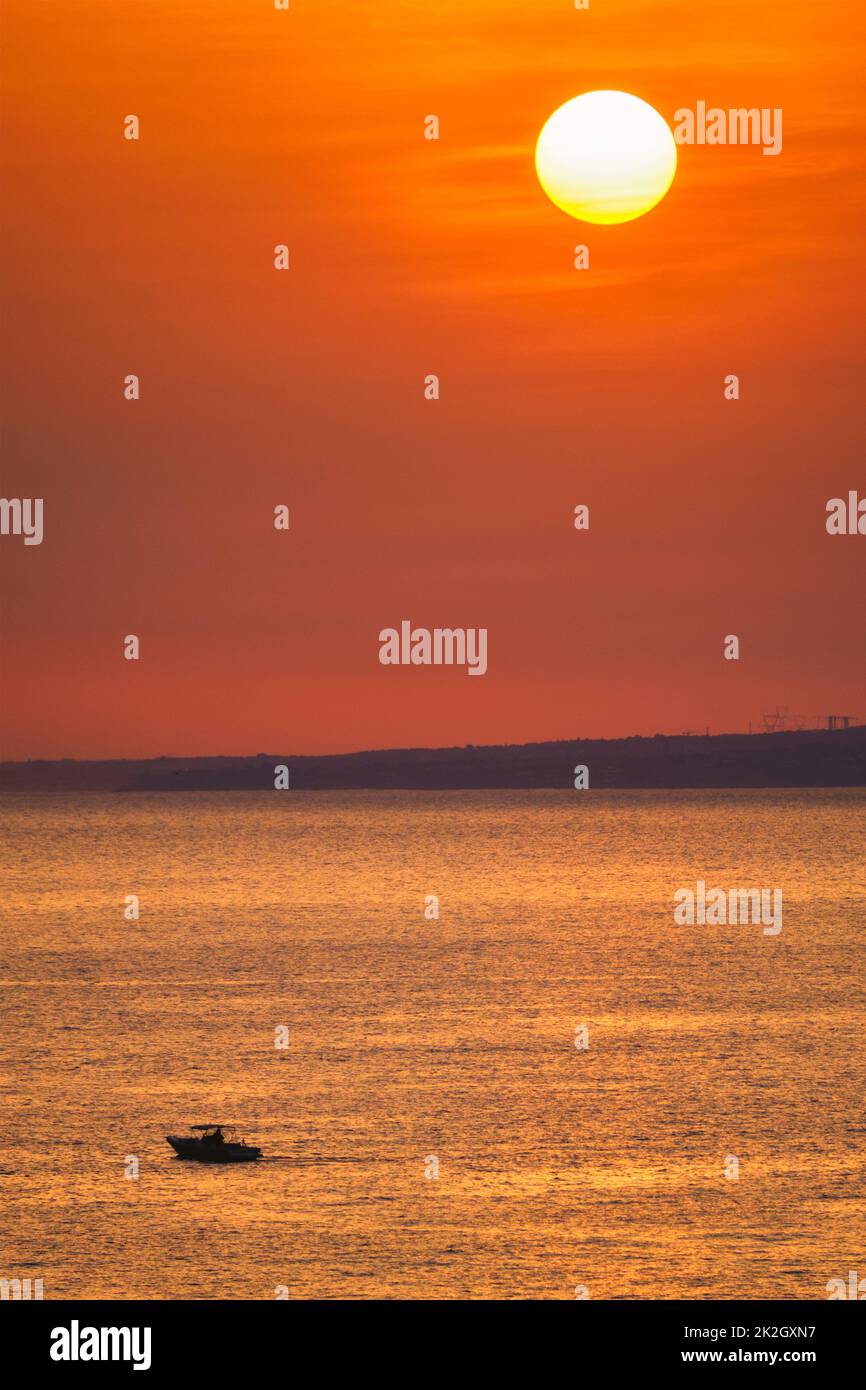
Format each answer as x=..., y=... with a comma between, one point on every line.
x=210, y=1145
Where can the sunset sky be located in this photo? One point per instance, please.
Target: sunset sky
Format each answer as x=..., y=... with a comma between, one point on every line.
x=305, y=387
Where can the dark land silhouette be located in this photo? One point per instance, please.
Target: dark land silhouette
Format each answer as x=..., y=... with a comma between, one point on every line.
x=804, y=758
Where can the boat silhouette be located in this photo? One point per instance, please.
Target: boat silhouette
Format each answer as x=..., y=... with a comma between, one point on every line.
x=210, y=1145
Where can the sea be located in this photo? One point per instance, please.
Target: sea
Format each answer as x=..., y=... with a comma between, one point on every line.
x=481, y=1057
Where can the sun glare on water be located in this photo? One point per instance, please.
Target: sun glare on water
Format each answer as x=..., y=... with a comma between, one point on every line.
x=606, y=157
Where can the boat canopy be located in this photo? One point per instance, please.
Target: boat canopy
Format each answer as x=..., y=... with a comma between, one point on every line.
x=219, y=1126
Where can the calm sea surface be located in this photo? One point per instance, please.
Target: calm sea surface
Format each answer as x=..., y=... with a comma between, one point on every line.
x=413, y=1039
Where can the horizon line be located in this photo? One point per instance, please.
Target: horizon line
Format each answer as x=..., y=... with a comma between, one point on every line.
x=428, y=748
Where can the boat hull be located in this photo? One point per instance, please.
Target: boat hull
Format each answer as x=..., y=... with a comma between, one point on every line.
x=202, y=1152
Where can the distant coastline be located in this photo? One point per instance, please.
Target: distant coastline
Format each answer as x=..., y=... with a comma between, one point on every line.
x=803, y=758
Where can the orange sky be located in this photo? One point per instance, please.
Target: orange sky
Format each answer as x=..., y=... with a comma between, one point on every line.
x=409, y=257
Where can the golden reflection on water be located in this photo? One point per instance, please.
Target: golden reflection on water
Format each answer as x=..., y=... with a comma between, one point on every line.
x=411, y=1038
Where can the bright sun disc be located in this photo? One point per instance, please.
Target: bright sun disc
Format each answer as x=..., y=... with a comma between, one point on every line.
x=606, y=157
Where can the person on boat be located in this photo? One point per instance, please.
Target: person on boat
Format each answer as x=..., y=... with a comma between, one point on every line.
x=217, y=1136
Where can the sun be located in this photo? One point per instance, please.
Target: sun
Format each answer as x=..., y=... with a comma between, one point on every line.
x=606, y=157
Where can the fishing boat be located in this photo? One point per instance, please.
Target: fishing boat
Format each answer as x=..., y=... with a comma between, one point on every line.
x=208, y=1144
